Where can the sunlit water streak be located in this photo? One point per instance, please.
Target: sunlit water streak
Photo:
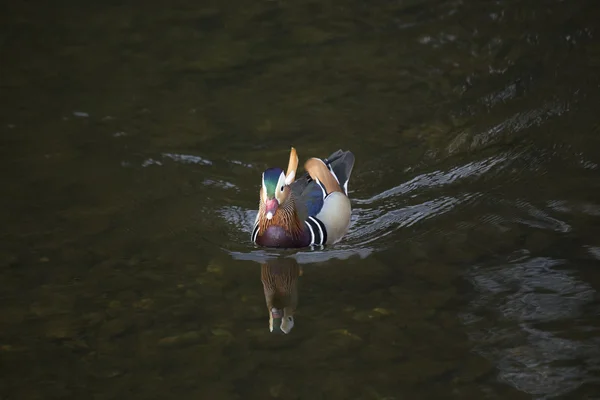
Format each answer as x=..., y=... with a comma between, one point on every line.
x=436, y=179
x=182, y=159
x=527, y=214
x=521, y=121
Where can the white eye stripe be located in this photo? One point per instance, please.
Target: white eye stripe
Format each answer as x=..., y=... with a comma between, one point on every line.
x=280, y=186
x=281, y=181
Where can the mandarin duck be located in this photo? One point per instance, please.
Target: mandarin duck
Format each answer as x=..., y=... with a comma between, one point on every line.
x=312, y=210
x=280, y=285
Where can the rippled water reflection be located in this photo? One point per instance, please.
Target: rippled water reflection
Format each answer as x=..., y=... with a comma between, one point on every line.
x=533, y=292
x=133, y=140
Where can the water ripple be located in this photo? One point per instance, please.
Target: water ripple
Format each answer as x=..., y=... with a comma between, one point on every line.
x=520, y=121
x=529, y=358
x=540, y=219
x=187, y=159
x=441, y=178
x=377, y=223
x=184, y=159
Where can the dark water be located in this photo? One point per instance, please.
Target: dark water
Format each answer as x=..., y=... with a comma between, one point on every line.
x=133, y=135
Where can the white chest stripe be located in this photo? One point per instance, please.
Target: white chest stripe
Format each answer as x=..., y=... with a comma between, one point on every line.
x=321, y=235
x=318, y=231
x=312, y=233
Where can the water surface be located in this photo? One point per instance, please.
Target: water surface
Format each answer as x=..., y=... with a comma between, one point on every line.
x=132, y=143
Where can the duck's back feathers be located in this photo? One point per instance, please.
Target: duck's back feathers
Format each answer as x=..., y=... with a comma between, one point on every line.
x=322, y=194
x=340, y=164
x=321, y=173
x=312, y=198
x=312, y=194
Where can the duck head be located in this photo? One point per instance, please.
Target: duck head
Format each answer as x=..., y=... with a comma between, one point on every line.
x=275, y=190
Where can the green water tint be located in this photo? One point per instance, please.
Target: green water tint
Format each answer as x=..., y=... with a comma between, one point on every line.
x=133, y=141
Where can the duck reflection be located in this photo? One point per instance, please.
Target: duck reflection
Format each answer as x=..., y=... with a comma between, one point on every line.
x=280, y=284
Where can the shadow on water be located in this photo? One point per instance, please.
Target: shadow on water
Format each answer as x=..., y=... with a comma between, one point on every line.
x=133, y=140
